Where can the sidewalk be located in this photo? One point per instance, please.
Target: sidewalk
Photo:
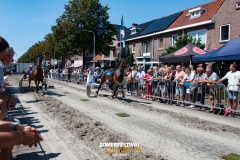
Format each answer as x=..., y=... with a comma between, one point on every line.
x=53, y=146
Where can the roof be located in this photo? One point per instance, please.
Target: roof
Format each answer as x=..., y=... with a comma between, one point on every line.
x=118, y=29
x=161, y=24
x=142, y=28
x=98, y=57
x=211, y=9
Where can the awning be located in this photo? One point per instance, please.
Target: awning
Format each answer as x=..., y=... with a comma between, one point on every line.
x=216, y=47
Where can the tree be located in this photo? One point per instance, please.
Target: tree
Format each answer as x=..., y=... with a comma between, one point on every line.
x=38, y=49
x=181, y=42
x=82, y=15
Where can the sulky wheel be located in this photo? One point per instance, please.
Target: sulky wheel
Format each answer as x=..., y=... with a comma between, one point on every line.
x=88, y=90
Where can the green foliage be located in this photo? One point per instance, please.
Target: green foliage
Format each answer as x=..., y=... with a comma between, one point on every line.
x=123, y=115
x=84, y=99
x=68, y=38
x=181, y=42
x=231, y=156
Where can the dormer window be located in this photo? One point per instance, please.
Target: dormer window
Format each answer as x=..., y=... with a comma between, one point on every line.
x=134, y=29
x=196, y=12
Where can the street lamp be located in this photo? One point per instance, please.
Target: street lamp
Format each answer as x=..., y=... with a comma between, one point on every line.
x=93, y=46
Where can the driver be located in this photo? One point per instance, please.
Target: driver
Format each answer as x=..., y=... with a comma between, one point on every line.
x=97, y=74
x=29, y=71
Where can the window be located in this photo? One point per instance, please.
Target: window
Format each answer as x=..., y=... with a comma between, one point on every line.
x=160, y=43
x=196, y=12
x=133, y=48
x=114, y=53
x=224, y=33
x=133, y=31
x=174, y=39
x=146, y=46
x=200, y=34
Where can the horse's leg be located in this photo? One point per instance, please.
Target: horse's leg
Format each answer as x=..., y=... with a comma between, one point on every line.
x=103, y=79
x=29, y=81
x=122, y=90
x=35, y=81
x=115, y=89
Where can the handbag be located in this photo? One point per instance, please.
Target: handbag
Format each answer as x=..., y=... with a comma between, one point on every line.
x=219, y=109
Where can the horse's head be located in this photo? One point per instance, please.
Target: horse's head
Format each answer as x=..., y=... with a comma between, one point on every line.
x=39, y=61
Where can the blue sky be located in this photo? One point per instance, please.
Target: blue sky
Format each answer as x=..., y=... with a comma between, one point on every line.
x=25, y=22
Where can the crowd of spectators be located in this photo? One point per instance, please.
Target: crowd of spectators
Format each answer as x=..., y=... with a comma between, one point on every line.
x=11, y=131
x=181, y=84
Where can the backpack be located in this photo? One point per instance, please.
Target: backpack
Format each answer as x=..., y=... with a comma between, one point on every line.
x=220, y=109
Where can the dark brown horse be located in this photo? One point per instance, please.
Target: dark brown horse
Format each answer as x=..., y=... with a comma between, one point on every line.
x=37, y=74
x=116, y=78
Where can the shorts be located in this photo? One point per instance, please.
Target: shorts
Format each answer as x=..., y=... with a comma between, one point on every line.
x=232, y=94
x=214, y=93
x=179, y=91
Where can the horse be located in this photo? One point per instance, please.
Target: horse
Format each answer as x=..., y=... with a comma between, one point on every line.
x=37, y=74
x=114, y=80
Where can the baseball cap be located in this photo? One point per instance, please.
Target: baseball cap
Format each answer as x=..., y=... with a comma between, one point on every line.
x=200, y=65
x=97, y=68
x=30, y=66
x=10, y=51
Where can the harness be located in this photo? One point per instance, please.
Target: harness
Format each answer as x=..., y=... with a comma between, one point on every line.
x=118, y=72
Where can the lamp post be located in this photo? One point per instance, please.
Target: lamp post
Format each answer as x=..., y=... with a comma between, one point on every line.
x=93, y=46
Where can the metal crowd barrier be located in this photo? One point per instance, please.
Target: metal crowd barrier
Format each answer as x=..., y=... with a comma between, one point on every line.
x=192, y=93
x=198, y=95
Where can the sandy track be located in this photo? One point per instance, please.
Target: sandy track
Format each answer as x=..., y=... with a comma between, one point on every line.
x=162, y=131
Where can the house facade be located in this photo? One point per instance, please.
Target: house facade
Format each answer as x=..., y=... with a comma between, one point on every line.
x=215, y=23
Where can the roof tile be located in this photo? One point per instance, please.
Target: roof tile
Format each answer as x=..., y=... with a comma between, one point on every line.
x=211, y=9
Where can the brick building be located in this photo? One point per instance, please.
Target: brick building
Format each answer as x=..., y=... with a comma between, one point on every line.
x=215, y=23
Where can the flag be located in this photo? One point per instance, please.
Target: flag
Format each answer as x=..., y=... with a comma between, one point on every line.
x=122, y=33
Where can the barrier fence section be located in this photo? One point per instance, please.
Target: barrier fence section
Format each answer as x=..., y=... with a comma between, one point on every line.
x=201, y=95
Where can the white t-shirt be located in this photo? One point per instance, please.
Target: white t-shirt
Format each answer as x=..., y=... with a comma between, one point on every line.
x=233, y=80
x=189, y=76
x=140, y=75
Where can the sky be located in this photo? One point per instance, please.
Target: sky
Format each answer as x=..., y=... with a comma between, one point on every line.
x=25, y=22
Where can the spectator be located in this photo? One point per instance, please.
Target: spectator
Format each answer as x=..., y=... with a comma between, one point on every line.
x=189, y=76
x=179, y=86
x=147, y=77
x=69, y=73
x=8, y=99
x=212, y=78
x=200, y=66
x=155, y=86
x=198, y=88
x=167, y=81
x=12, y=134
x=139, y=78
x=161, y=83
x=135, y=82
x=129, y=81
x=233, y=77
x=192, y=69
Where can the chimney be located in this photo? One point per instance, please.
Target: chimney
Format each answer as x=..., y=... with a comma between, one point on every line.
x=134, y=25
